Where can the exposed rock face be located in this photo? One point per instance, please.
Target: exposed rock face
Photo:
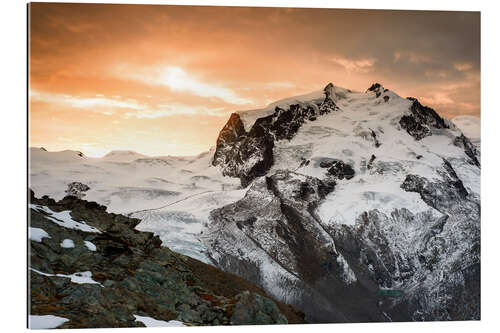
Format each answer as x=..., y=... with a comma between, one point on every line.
x=463, y=142
x=375, y=140
x=253, y=309
x=275, y=225
x=422, y=119
x=77, y=189
x=377, y=89
x=370, y=162
x=315, y=263
x=116, y=272
x=341, y=170
x=244, y=155
x=451, y=247
x=250, y=155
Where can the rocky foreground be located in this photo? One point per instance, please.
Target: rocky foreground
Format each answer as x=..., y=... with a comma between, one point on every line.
x=94, y=269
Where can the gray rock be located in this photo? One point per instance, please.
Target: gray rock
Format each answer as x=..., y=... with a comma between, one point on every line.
x=253, y=309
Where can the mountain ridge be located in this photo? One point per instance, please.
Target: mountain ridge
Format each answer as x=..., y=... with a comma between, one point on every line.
x=324, y=200
x=397, y=164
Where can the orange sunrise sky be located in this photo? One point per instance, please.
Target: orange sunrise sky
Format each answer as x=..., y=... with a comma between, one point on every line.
x=163, y=80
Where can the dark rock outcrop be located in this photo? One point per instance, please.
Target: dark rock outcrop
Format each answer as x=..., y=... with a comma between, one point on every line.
x=470, y=150
x=377, y=89
x=250, y=155
x=421, y=120
x=133, y=275
x=452, y=190
x=253, y=309
x=341, y=170
x=374, y=136
x=370, y=162
x=244, y=155
x=77, y=189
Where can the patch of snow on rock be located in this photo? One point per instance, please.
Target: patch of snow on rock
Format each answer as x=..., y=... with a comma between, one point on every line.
x=78, y=277
x=68, y=244
x=151, y=322
x=45, y=322
x=37, y=234
x=90, y=246
x=64, y=219
x=347, y=274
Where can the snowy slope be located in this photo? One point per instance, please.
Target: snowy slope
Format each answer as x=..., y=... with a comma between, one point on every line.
x=346, y=135
x=128, y=182
x=123, y=182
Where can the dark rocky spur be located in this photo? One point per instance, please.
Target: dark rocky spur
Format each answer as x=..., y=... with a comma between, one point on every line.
x=250, y=155
x=134, y=275
x=421, y=120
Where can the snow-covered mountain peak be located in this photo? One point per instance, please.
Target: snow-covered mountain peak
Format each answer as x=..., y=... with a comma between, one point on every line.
x=330, y=91
x=341, y=124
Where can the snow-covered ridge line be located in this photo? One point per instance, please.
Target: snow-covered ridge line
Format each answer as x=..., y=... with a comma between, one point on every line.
x=248, y=117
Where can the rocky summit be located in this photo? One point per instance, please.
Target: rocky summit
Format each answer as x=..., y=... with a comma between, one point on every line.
x=248, y=155
x=352, y=206
x=95, y=270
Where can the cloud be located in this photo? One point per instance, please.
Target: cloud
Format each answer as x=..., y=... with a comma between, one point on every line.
x=108, y=106
x=175, y=110
x=412, y=57
x=177, y=79
x=436, y=74
x=438, y=98
x=98, y=104
x=359, y=66
x=463, y=67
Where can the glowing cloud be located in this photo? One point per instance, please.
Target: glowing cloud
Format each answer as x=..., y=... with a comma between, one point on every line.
x=413, y=57
x=179, y=80
x=174, y=110
x=462, y=67
x=360, y=66
x=93, y=103
x=107, y=106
